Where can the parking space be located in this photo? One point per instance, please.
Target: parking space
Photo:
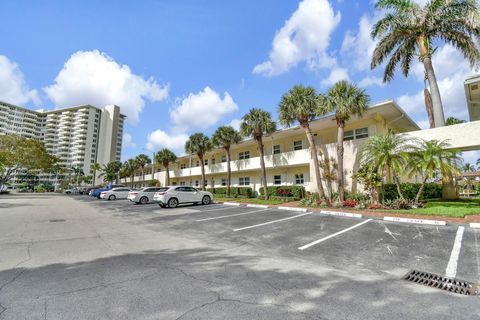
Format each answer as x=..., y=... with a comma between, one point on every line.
x=383, y=246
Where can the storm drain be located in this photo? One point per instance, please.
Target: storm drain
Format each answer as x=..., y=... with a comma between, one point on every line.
x=57, y=220
x=443, y=283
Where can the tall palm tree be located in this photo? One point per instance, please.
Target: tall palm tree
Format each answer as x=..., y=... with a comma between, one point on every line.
x=224, y=137
x=165, y=157
x=387, y=154
x=129, y=167
x=142, y=160
x=199, y=144
x=78, y=171
x=430, y=157
x=452, y=120
x=345, y=100
x=467, y=167
x=301, y=104
x=95, y=167
x=256, y=124
x=408, y=30
x=478, y=164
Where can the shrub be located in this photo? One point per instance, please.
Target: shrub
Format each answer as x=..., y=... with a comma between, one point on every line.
x=311, y=200
x=358, y=196
x=374, y=206
x=478, y=188
x=152, y=183
x=245, y=192
x=350, y=203
x=297, y=192
x=4, y=192
x=409, y=190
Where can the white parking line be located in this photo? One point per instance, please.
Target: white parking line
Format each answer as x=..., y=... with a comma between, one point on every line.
x=231, y=215
x=274, y=221
x=475, y=225
x=451, y=270
x=222, y=208
x=333, y=235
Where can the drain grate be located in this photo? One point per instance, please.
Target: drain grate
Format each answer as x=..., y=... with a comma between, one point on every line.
x=57, y=220
x=443, y=283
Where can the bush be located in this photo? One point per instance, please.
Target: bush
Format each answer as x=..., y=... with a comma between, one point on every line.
x=359, y=197
x=478, y=188
x=284, y=199
x=350, y=203
x=297, y=192
x=409, y=190
x=4, y=192
x=374, y=206
x=152, y=183
x=242, y=192
x=39, y=188
x=311, y=200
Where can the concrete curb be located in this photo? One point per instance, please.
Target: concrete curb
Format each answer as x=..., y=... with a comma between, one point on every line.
x=232, y=204
x=292, y=209
x=475, y=225
x=264, y=206
x=342, y=214
x=418, y=221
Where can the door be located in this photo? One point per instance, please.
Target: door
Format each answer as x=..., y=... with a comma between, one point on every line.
x=193, y=194
x=122, y=193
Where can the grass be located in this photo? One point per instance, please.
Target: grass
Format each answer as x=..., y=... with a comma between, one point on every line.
x=454, y=209
x=249, y=200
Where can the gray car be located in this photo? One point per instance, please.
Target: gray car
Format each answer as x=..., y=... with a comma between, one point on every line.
x=144, y=195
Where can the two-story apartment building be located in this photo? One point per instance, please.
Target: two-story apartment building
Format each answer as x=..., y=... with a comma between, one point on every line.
x=287, y=156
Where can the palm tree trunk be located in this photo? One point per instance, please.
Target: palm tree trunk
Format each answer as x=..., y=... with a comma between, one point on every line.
x=429, y=107
x=420, y=190
x=397, y=183
x=94, y=176
x=316, y=165
x=340, y=177
x=262, y=165
x=143, y=178
x=438, y=116
x=131, y=181
x=167, y=174
x=229, y=172
x=202, y=187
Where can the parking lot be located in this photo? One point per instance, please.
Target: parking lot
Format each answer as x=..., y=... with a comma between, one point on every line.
x=118, y=260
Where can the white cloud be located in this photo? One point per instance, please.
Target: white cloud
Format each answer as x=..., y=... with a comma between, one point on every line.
x=159, y=139
x=471, y=157
x=13, y=88
x=92, y=77
x=371, y=81
x=235, y=124
x=201, y=110
x=358, y=47
x=451, y=70
x=337, y=74
x=424, y=124
x=305, y=37
x=128, y=141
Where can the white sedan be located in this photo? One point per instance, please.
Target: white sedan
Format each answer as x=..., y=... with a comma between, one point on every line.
x=176, y=195
x=115, y=193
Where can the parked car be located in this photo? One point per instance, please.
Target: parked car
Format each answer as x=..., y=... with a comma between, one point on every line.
x=68, y=191
x=176, y=195
x=144, y=195
x=115, y=193
x=97, y=192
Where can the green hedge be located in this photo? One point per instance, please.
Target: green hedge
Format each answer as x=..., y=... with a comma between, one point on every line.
x=234, y=191
x=297, y=192
x=409, y=190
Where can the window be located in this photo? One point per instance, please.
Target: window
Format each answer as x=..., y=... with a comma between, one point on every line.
x=205, y=162
x=213, y=160
x=277, y=179
x=174, y=183
x=183, y=166
x=361, y=133
x=244, y=155
x=297, y=145
x=244, y=181
x=182, y=183
x=276, y=149
x=197, y=163
x=299, y=178
x=224, y=158
x=224, y=182
x=197, y=183
x=348, y=135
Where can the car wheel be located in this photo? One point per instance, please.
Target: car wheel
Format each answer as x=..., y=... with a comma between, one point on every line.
x=206, y=200
x=173, y=203
x=112, y=197
x=143, y=200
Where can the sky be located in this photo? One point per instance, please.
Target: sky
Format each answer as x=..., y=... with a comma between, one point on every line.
x=186, y=66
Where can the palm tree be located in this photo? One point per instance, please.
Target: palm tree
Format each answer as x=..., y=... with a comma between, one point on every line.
x=165, y=157
x=345, y=100
x=142, y=160
x=467, y=167
x=199, y=144
x=329, y=167
x=224, y=137
x=387, y=154
x=408, y=30
x=256, y=124
x=110, y=171
x=129, y=167
x=78, y=171
x=478, y=163
x=430, y=157
x=301, y=104
x=452, y=120
x=95, y=167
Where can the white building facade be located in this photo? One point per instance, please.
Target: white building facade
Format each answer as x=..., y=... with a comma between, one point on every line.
x=79, y=136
